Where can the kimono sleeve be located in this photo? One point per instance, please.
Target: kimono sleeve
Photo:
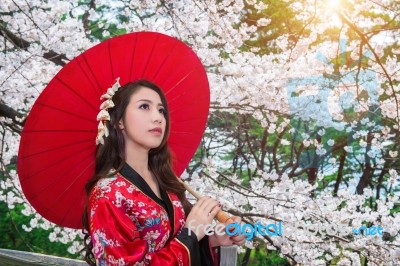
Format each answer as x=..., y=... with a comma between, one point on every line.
x=116, y=241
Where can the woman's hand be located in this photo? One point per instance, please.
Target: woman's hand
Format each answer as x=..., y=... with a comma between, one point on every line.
x=202, y=215
x=224, y=239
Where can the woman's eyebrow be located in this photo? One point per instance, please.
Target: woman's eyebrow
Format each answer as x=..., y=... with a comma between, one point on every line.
x=149, y=101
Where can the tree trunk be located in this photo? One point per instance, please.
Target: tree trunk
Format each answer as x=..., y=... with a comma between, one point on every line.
x=340, y=172
x=246, y=257
x=368, y=170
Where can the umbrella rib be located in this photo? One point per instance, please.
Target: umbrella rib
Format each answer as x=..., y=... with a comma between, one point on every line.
x=181, y=95
x=57, y=148
x=73, y=206
x=71, y=210
x=59, y=130
x=164, y=61
x=110, y=59
x=180, y=145
x=91, y=71
x=59, y=161
x=133, y=58
x=184, y=132
x=98, y=88
x=188, y=119
x=77, y=94
x=179, y=82
x=151, y=54
x=65, y=111
x=180, y=160
x=72, y=183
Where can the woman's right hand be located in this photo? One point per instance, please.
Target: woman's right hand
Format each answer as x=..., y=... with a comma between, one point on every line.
x=202, y=215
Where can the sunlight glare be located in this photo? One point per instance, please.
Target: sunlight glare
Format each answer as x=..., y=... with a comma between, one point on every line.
x=334, y=4
x=331, y=7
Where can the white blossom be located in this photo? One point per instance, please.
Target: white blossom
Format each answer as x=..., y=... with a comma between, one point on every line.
x=244, y=81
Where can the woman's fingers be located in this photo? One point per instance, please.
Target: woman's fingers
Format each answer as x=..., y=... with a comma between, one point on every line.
x=202, y=214
x=200, y=202
x=240, y=242
x=238, y=239
x=237, y=219
x=204, y=201
x=215, y=210
x=210, y=204
x=206, y=205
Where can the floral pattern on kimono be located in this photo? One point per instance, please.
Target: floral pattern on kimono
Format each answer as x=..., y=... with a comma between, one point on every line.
x=129, y=225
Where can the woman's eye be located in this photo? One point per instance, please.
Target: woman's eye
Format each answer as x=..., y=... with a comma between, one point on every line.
x=162, y=111
x=144, y=106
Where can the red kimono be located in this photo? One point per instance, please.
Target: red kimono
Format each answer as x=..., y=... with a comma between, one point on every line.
x=130, y=225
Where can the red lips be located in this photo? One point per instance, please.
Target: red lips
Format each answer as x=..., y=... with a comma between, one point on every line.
x=156, y=129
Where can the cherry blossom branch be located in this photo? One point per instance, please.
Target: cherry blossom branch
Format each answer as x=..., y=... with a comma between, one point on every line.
x=378, y=60
x=85, y=18
x=29, y=17
x=16, y=117
x=58, y=59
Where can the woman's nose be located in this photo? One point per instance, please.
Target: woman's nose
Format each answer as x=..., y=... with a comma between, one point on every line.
x=157, y=116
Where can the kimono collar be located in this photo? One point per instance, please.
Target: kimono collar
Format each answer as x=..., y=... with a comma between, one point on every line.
x=132, y=176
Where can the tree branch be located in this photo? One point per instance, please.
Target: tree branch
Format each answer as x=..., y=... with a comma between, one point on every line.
x=58, y=59
x=17, y=118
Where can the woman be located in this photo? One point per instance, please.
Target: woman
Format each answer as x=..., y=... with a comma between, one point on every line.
x=137, y=213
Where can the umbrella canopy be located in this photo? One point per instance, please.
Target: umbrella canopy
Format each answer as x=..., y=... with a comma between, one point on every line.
x=57, y=149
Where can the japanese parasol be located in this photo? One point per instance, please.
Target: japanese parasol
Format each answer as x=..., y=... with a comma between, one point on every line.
x=57, y=148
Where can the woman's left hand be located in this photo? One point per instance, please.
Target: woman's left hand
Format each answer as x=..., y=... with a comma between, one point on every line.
x=224, y=239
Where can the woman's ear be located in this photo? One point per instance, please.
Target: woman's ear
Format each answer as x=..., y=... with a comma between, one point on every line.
x=121, y=124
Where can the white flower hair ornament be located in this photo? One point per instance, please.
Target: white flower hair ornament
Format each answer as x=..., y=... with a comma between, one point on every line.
x=103, y=116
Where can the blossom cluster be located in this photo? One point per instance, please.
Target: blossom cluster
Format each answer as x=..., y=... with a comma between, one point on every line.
x=320, y=94
x=312, y=235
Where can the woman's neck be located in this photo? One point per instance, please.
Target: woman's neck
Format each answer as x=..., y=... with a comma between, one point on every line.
x=139, y=161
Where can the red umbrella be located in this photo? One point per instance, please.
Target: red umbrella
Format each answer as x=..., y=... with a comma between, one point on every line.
x=56, y=153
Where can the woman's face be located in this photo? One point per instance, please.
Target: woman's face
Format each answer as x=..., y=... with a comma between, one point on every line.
x=143, y=125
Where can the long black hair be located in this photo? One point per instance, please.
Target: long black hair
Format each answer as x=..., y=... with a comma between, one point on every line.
x=112, y=155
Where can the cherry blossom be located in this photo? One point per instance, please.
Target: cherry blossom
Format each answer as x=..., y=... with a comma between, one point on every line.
x=309, y=103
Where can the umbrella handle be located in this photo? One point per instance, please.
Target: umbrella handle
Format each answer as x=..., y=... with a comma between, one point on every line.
x=221, y=216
